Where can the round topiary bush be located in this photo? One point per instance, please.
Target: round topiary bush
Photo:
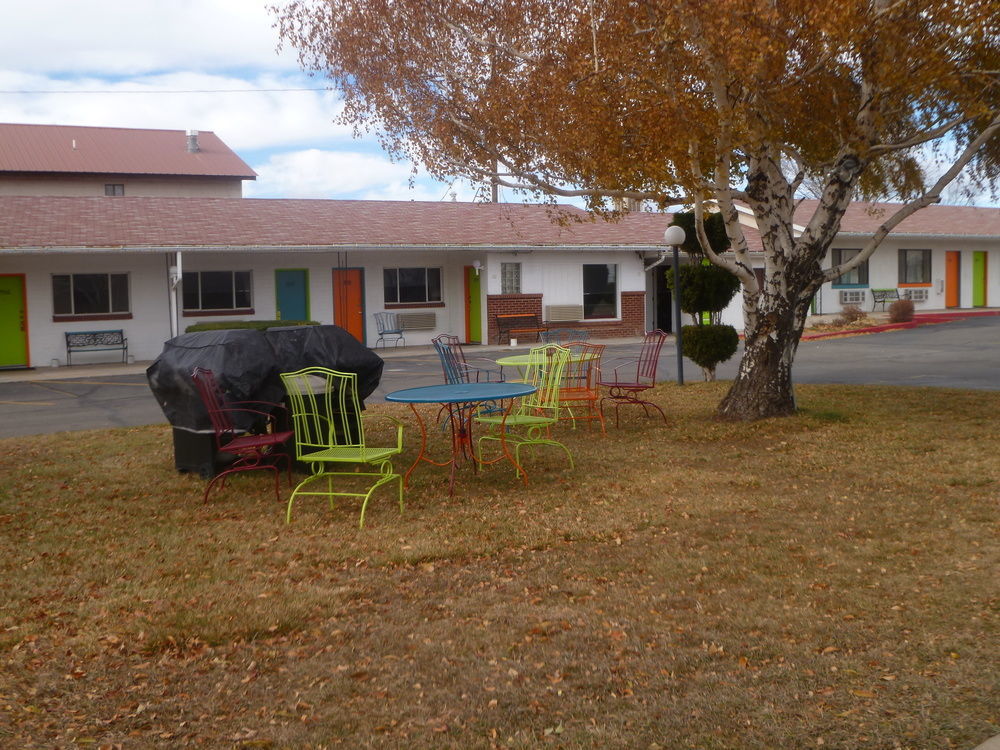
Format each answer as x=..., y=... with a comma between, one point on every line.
x=709, y=345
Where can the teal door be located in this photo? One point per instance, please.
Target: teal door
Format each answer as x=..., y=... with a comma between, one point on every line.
x=291, y=292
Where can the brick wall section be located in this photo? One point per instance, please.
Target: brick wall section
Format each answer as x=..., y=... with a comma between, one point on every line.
x=632, y=323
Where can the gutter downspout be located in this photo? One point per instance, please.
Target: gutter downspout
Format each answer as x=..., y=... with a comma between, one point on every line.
x=175, y=275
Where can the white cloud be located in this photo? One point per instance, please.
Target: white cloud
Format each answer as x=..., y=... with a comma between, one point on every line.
x=323, y=174
x=129, y=37
x=252, y=113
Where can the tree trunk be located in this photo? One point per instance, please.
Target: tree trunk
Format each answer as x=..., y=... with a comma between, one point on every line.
x=763, y=385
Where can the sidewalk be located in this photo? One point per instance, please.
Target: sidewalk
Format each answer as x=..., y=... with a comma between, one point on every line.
x=930, y=317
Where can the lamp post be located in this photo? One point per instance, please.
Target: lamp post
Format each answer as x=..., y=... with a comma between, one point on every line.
x=674, y=237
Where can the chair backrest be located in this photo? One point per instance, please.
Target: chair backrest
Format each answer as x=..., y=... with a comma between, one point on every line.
x=215, y=404
x=325, y=409
x=544, y=371
x=565, y=336
x=649, y=356
x=387, y=322
x=449, y=349
x=584, y=366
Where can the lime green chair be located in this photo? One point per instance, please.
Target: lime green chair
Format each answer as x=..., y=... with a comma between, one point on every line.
x=530, y=422
x=330, y=432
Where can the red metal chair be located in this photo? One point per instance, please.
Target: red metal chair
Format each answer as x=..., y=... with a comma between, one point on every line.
x=631, y=377
x=252, y=451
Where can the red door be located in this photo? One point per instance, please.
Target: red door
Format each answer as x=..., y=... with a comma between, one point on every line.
x=952, y=274
x=349, y=301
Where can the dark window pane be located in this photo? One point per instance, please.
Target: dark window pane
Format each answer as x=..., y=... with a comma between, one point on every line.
x=242, y=283
x=216, y=290
x=390, y=281
x=62, y=299
x=91, y=294
x=412, y=285
x=189, y=286
x=119, y=292
x=599, y=291
x=433, y=284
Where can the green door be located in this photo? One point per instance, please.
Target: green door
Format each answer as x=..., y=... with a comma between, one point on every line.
x=291, y=293
x=473, y=306
x=979, y=279
x=13, y=322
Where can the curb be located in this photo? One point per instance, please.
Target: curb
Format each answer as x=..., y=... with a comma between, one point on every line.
x=921, y=319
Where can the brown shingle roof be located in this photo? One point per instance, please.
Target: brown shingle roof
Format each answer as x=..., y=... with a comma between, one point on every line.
x=86, y=150
x=865, y=218
x=100, y=222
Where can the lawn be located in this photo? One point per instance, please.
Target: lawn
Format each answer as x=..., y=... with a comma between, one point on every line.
x=828, y=580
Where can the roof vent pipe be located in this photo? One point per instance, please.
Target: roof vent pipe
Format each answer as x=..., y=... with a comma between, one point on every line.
x=192, y=141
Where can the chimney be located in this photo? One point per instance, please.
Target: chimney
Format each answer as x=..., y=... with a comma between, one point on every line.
x=192, y=142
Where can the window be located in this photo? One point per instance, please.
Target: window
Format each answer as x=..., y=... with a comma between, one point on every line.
x=90, y=293
x=217, y=290
x=412, y=285
x=510, y=278
x=914, y=266
x=855, y=277
x=114, y=190
x=600, y=290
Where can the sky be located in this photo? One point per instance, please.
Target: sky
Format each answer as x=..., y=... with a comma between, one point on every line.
x=203, y=65
x=69, y=62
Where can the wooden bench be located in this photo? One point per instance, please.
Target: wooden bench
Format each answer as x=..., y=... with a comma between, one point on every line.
x=512, y=324
x=96, y=341
x=881, y=296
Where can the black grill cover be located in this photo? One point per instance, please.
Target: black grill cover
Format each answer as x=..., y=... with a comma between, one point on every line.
x=248, y=363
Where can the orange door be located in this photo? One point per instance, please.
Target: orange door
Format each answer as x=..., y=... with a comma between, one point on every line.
x=349, y=301
x=952, y=274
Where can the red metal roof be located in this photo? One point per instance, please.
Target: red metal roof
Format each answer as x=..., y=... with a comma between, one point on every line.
x=103, y=222
x=88, y=150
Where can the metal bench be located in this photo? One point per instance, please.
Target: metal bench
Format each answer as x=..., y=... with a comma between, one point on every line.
x=96, y=341
x=512, y=324
x=881, y=296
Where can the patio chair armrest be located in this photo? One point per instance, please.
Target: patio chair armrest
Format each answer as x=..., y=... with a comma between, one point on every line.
x=611, y=369
x=388, y=418
x=489, y=368
x=268, y=418
x=252, y=404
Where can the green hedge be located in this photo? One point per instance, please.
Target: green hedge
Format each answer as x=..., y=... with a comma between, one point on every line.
x=260, y=325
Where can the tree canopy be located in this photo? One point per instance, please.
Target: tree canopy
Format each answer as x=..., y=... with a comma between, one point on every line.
x=682, y=101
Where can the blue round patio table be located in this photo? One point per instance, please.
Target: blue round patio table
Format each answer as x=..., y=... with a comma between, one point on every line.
x=457, y=398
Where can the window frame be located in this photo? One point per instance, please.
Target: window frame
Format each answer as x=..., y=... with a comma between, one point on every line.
x=588, y=307
x=925, y=267
x=837, y=257
x=113, y=291
x=201, y=310
x=114, y=189
x=394, y=301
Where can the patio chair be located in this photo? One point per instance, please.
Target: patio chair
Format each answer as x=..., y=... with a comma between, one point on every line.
x=389, y=328
x=457, y=368
x=330, y=433
x=530, y=422
x=579, y=393
x=627, y=379
x=253, y=450
x=564, y=336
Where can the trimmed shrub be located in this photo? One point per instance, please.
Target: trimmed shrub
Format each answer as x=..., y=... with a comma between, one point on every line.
x=260, y=325
x=704, y=288
x=852, y=314
x=715, y=229
x=901, y=311
x=709, y=345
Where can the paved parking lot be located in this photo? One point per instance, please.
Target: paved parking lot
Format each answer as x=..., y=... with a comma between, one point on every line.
x=959, y=354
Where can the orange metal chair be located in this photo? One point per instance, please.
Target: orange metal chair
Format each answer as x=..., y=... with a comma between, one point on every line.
x=252, y=451
x=579, y=390
x=627, y=380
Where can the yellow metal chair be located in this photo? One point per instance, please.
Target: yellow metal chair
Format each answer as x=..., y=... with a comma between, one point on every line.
x=330, y=431
x=530, y=421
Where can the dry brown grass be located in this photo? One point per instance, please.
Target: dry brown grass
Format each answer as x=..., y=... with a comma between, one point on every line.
x=828, y=580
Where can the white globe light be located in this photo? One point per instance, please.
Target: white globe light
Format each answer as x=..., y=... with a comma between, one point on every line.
x=674, y=236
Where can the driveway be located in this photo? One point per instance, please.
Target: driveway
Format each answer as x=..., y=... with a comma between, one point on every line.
x=962, y=353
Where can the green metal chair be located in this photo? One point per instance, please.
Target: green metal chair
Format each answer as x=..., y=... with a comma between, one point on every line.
x=330, y=431
x=530, y=422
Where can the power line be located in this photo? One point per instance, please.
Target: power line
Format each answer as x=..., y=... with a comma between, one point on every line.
x=160, y=91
